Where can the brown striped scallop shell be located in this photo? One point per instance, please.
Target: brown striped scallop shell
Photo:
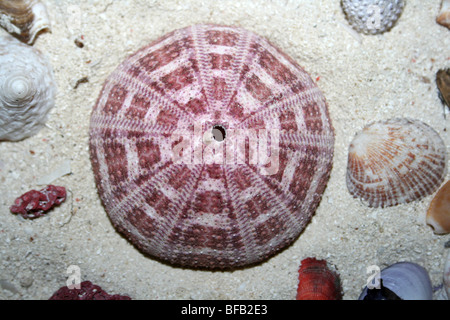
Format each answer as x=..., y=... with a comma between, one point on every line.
x=395, y=161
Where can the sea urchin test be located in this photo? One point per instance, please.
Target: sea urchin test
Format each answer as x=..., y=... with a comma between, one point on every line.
x=210, y=148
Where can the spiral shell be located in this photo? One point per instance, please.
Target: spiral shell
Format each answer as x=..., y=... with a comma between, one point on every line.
x=372, y=16
x=317, y=281
x=27, y=89
x=24, y=19
x=401, y=281
x=438, y=214
x=395, y=161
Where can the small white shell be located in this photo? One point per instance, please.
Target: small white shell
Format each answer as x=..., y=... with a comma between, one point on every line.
x=27, y=89
x=443, y=17
x=395, y=161
x=372, y=16
x=24, y=19
x=407, y=280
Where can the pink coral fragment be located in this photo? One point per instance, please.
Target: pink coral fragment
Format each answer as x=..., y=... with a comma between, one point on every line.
x=87, y=291
x=33, y=204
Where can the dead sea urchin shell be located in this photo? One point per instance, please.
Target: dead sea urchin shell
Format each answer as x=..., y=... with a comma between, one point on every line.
x=372, y=16
x=438, y=214
x=24, y=19
x=443, y=17
x=213, y=204
x=317, y=281
x=395, y=161
x=27, y=89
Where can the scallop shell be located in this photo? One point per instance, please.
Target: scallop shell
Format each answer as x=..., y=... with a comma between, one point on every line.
x=438, y=214
x=395, y=161
x=317, y=281
x=27, y=89
x=443, y=17
x=24, y=19
x=372, y=16
x=404, y=280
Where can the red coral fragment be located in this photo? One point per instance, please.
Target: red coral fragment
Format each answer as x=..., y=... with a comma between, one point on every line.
x=87, y=291
x=33, y=204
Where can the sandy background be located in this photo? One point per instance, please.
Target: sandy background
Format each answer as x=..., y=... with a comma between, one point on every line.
x=373, y=78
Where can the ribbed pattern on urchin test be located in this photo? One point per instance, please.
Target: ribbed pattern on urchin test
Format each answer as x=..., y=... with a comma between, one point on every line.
x=213, y=215
x=395, y=161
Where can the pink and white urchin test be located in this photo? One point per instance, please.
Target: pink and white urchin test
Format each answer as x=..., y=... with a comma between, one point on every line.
x=211, y=148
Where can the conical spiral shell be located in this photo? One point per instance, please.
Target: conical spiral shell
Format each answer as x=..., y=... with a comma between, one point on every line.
x=27, y=89
x=395, y=161
x=24, y=19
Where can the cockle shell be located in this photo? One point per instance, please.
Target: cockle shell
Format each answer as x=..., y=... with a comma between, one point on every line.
x=443, y=17
x=404, y=280
x=372, y=16
x=203, y=209
x=438, y=214
x=27, y=89
x=24, y=19
x=395, y=161
x=317, y=281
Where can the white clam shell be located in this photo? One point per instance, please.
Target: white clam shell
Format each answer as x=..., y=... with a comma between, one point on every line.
x=372, y=16
x=27, y=89
x=407, y=280
x=395, y=161
x=24, y=19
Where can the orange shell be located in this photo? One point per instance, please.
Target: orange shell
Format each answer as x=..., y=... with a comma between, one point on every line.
x=317, y=281
x=438, y=214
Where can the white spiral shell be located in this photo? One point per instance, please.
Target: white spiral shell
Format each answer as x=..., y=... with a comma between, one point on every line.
x=372, y=16
x=395, y=161
x=27, y=89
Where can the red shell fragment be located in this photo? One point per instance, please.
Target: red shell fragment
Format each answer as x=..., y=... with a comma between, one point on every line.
x=87, y=291
x=33, y=204
x=317, y=281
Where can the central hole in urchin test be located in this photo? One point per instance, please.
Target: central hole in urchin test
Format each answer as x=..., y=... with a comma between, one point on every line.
x=219, y=132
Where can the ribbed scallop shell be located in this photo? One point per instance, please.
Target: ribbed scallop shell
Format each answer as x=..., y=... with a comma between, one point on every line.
x=395, y=161
x=203, y=214
x=372, y=16
x=27, y=89
x=24, y=19
x=317, y=281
